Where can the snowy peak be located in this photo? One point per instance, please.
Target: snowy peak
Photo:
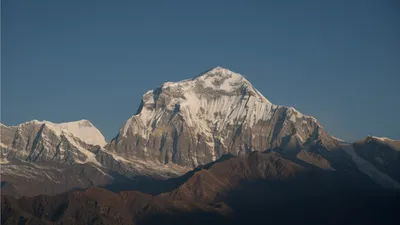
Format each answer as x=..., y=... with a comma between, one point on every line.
x=195, y=121
x=81, y=129
x=217, y=95
x=378, y=138
x=222, y=79
x=371, y=138
x=395, y=144
x=339, y=140
x=217, y=79
x=218, y=71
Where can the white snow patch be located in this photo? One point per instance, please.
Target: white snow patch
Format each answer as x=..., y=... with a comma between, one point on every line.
x=90, y=156
x=82, y=129
x=102, y=172
x=225, y=80
x=338, y=139
x=194, y=158
x=381, y=138
x=300, y=138
x=367, y=168
x=116, y=157
x=147, y=166
x=293, y=118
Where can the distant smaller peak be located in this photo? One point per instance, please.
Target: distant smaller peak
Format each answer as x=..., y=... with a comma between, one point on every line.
x=369, y=137
x=383, y=140
x=82, y=122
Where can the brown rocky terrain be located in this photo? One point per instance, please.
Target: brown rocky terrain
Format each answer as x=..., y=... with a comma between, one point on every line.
x=259, y=188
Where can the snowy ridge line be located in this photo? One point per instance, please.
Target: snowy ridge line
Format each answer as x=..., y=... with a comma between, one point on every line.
x=82, y=129
x=199, y=111
x=381, y=138
x=339, y=140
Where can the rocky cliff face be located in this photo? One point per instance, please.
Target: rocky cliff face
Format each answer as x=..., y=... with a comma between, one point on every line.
x=195, y=121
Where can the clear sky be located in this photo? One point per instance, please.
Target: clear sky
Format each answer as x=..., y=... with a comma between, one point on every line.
x=65, y=60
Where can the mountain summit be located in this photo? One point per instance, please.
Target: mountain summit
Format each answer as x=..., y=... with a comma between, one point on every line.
x=221, y=79
x=43, y=140
x=196, y=121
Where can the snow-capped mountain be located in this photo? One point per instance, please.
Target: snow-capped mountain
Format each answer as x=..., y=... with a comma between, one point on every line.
x=394, y=144
x=70, y=142
x=195, y=121
x=77, y=142
x=41, y=157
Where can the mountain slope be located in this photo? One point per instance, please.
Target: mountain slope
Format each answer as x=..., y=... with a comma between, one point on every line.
x=48, y=158
x=45, y=141
x=380, y=177
x=196, y=121
x=383, y=153
x=258, y=188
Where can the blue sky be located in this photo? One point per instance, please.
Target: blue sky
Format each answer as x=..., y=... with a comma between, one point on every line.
x=68, y=60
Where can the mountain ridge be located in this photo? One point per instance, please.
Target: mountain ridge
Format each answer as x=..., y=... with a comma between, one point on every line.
x=179, y=127
x=39, y=157
x=218, y=108
x=236, y=190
